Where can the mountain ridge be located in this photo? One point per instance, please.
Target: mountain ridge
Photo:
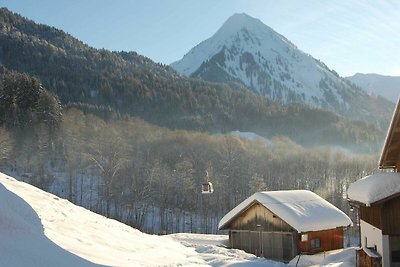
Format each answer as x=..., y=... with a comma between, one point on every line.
x=384, y=85
x=247, y=51
x=99, y=81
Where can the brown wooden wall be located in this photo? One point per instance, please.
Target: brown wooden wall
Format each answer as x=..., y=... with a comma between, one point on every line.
x=279, y=246
x=259, y=218
x=258, y=230
x=329, y=240
x=363, y=260
x=391, y=217
x=372, y=215
x=385, y=216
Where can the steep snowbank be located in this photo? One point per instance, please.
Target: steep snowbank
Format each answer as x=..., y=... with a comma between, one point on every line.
x=40, y=229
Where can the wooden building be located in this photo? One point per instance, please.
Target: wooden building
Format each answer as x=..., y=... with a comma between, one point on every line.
x=377, y=199
x=279, y=225
x=390, y=156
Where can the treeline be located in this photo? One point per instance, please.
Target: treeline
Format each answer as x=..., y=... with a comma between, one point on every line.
x=24, y=102
x=150, y=177
x=96, y=154
x=127, y=84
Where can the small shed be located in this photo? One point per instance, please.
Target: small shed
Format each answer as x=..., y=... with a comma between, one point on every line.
x=279, y=225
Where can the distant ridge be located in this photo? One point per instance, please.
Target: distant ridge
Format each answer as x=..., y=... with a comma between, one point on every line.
x=116, y=84
x=246, y=51
x=386, y=86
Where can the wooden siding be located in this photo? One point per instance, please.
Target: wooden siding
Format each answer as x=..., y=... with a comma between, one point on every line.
x=391, y=217
x=390, y=157
x=280, y=246
x=384, y=216
x=259, y=218
x=371, y=215
x=365, y=260
x=257, y=230
x=329, y=240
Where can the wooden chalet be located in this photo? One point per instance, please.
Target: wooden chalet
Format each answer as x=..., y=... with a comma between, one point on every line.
x=279, y=225
x=377, y=199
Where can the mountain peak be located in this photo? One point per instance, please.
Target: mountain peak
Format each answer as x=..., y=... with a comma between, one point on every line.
x=247, y=51
x=240, y=31
x=239, y=21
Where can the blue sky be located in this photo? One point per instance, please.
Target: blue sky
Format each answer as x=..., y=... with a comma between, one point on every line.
x=348, y=35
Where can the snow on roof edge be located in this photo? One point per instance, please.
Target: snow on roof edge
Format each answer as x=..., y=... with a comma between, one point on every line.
x=374, y=188
x=302, y=209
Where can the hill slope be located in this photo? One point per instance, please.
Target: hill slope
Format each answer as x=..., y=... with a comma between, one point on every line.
x=247, y=51
x=387, y=86
x=40, y=229
x=44, y=230
x=128, y=83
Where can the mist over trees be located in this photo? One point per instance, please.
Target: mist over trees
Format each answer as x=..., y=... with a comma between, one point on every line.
x=116, y=84
x=150, y=177
x=108, y=148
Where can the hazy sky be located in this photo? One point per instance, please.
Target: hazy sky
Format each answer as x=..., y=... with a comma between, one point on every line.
x=348, y=35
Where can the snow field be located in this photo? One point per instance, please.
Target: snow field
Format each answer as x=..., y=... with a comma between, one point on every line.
x=40, y=229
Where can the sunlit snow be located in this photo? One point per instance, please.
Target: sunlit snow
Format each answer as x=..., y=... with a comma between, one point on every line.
x=374, y=187
x=41, y=229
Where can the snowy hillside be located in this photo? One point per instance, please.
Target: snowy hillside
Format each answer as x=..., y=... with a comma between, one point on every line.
x=247, y=51
x=40, y=229
x=386, y=86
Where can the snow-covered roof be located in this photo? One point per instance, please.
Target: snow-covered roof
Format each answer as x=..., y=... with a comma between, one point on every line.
x=373, y=188
x=302, y=209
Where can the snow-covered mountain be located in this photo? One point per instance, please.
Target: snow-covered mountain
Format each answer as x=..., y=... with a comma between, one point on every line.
x=386, y=86
x=247, y=51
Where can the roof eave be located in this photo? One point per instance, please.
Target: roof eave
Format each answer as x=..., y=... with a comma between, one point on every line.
x=377, y=202
x=389, y=135
x=227, y=223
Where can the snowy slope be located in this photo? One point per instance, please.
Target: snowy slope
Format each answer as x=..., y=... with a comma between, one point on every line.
x=40, y=229
x=247, y=51
x=44, y=230
x=386, y=86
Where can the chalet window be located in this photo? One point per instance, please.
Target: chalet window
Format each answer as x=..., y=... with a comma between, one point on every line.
x=315, y=243
x=396, y=256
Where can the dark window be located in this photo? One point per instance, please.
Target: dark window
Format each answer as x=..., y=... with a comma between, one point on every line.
x=315, y=243
x=396, y=256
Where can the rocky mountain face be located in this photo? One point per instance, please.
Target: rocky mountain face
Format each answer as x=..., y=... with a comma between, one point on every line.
x=386, y=86
x=246, y=51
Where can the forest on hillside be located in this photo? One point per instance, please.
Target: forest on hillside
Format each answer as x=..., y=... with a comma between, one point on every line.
x=150, y=176
x=120, y=84
x=132, y=139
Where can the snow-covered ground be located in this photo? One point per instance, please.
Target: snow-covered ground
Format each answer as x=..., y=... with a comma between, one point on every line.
x=40, y=229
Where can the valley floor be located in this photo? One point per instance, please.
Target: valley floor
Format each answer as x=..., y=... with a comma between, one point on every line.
x=40, y=229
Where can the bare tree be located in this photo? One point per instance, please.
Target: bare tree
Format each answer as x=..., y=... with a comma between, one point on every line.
x=6, y=147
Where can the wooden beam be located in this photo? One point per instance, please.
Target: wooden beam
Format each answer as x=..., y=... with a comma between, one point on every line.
x=397, y=129
x=393, y=147
x=393, y=131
